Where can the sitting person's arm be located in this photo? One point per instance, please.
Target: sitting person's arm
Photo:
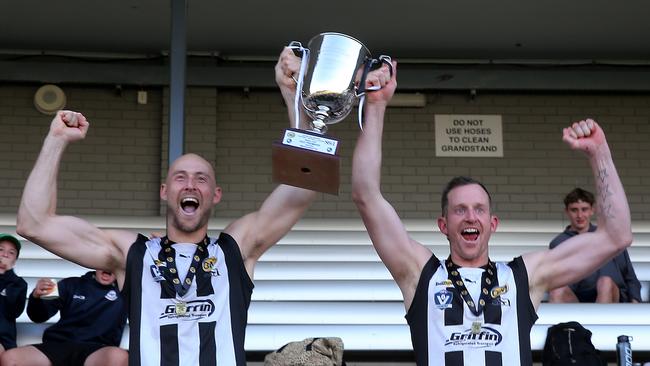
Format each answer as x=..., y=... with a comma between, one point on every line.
x=14, y=300
x=38, y=309
x=631, y=281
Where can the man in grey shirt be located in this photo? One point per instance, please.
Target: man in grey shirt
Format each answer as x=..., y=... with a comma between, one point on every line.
x=615, y=281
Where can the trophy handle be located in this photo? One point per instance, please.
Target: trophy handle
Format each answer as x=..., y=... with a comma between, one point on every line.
x=303, y=53
x=296, y=47
x=369, y=65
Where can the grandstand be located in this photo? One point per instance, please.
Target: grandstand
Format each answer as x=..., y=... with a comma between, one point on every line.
x=325, y=279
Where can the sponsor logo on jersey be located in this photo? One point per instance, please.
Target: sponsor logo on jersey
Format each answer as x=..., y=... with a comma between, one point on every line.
x=487, y=337
x=442, y=299
x=79, y=297
x=3, y=292
x=498, y=291
x=446, y=283
x=193, y=310
x=111, y=295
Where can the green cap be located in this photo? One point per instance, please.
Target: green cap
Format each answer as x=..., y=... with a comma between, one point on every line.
x=12, y=239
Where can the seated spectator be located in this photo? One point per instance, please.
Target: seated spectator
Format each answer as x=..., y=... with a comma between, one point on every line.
x=93, y=316
x=13, y=291
x=615, y=281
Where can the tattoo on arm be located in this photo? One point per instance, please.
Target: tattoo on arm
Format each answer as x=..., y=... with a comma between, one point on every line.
x=602, y=185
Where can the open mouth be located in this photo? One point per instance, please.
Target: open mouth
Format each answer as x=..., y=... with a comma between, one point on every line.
x=470, y=234
x=189, y=205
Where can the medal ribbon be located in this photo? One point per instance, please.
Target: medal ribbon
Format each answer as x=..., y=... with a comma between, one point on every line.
x=488, y=280
x=168, y=255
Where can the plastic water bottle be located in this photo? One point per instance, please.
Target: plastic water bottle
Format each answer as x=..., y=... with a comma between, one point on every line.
x=624, y=351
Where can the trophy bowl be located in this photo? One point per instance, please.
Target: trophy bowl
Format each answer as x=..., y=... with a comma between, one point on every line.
x=328, y=89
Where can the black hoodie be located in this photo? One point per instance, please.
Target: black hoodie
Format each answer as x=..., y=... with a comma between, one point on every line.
x=13, y=294
x=90, y=312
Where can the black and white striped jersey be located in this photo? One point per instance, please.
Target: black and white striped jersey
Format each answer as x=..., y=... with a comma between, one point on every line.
x=444, y=331
x=204, y=327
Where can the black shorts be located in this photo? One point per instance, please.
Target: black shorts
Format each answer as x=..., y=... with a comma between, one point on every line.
x=588, y=295
x=68, y=353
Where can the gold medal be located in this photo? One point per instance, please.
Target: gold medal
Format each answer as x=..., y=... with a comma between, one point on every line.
x=181, y=308
x=476, y=327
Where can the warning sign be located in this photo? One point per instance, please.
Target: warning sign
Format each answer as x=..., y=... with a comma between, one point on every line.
x=468, y=135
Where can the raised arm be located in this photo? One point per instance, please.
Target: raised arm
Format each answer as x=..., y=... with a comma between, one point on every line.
x=286, y=70
x=403, y=256
x=69, y=237
x=259, y=230
x=582, y=254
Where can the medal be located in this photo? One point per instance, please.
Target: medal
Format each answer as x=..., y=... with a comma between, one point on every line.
x=476, y=327
x=171, y=272
x=181, y=308
x=488, y=277
x=476, y=307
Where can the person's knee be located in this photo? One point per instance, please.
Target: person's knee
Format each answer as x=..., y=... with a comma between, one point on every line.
x=9, y=358
x=606, y=284
x=608, y=291
x=562, y=295
x=119, y=357
x=113, y=356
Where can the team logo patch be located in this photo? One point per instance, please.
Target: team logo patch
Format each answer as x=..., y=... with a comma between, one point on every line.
x=487, y=337
x=442, y=299
x=111, y=295
x=155, y=273
x=446, y=283
x=208, y=264
x=498, y=291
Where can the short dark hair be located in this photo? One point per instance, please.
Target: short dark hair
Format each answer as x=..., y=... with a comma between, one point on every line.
x=579, y=194
x=458, y=182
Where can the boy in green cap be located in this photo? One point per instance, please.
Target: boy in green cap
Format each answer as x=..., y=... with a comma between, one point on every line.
x=13, y=291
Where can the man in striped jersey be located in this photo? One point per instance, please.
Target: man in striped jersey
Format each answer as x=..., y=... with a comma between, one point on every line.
x=466, y=309
x=188, y=293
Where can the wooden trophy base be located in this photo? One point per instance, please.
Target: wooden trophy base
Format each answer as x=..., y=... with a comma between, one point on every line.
x=305, y=166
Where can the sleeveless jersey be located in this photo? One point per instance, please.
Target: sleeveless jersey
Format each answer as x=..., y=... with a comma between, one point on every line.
x=206, y=326
x=441, y=322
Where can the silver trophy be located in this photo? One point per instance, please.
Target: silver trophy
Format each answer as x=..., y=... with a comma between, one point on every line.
x=332, y=75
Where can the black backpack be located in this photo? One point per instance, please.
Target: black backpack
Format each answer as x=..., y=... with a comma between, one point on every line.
x=570, y=344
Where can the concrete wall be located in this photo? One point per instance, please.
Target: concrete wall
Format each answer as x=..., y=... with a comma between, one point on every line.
x=118, y=169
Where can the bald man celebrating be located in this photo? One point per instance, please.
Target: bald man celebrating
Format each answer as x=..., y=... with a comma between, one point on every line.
x=187, y=293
